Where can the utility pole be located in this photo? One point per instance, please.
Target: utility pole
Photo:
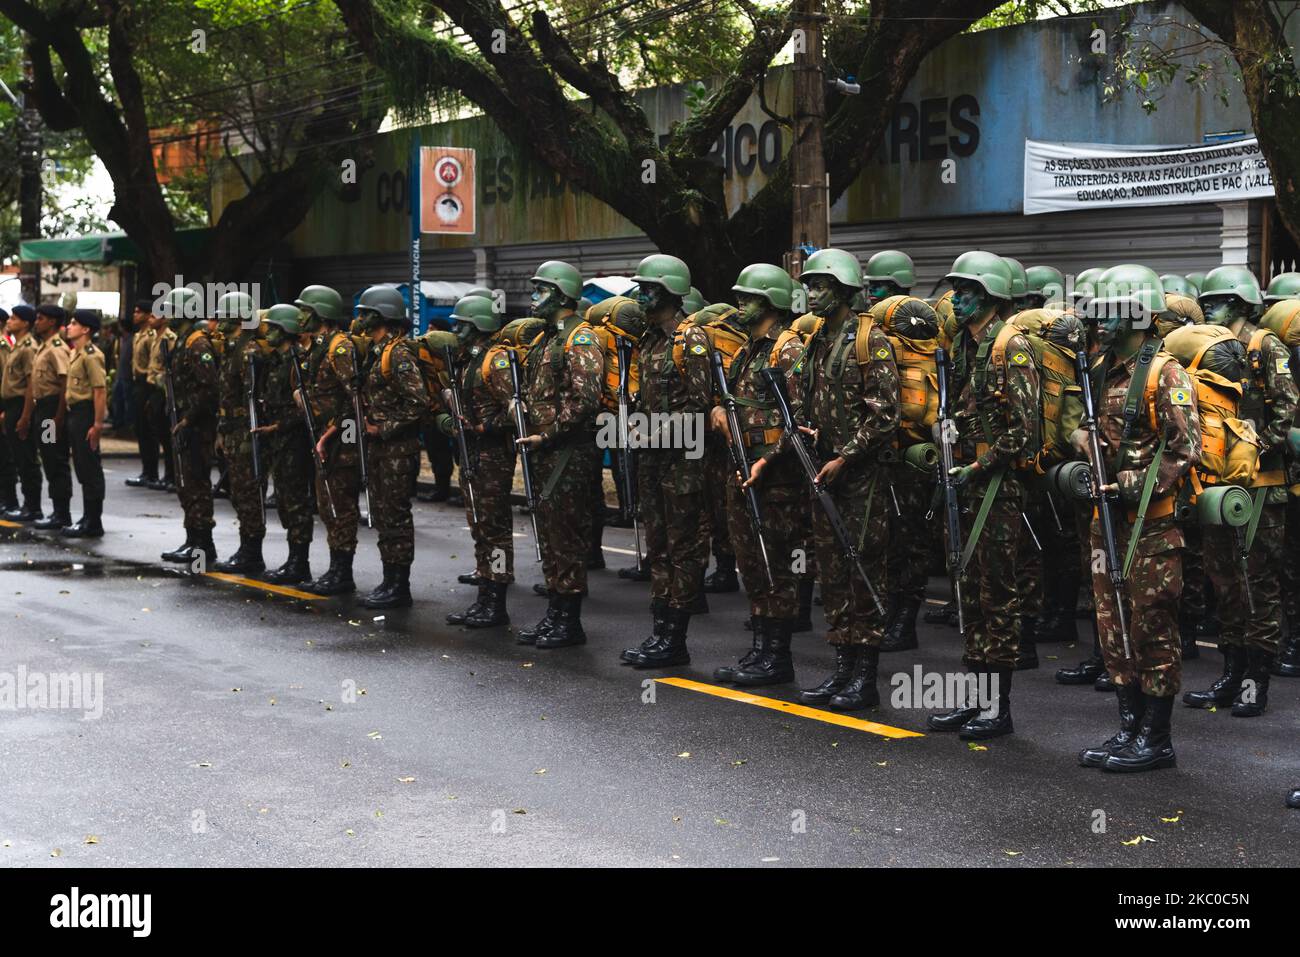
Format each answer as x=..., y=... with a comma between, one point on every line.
x=30, y=146
x=811, y=194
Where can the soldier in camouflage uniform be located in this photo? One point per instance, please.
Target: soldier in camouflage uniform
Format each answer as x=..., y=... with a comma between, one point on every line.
x=192, y=364
x=237, y=320
x=483, y=378
x=1230, y=297
x=396, y=402
x=847, y=393
x=287, y=441
x=997, y=411
x=763, y=296
x=333, y=375
x=671, y=481
x=1127, y=299
x=564, y=372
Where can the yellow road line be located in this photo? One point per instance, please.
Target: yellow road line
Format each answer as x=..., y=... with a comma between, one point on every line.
x=830, y=717
x=264, y=586
x=7, y=524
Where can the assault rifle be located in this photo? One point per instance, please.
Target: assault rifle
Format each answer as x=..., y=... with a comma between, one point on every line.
x=740, y=460
x=180, y=444
x=947, y=486
x=627, y=473
x=254, y=438
x=452, y=394
x=522, y=430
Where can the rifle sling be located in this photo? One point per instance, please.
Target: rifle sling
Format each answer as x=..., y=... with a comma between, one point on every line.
x=986, y=505
x=561, y=461
x=1256, y=512
x=1148, y=486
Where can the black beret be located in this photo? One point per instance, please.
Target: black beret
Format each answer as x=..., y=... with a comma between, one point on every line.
x=144, y=305
x=87, y=317
x=57, y=313
x=25, y=312
x=4, y=314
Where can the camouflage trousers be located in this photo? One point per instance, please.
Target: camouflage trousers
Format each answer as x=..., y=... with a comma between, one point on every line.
x=990, y=587
x=337, y=505
x=718, y=471
x=670, y=498
x=563, y=477
x=1237, y=626
x=493, y=533
x=1192, y=605
x=784, y=529
x=294, y=473
x=194, y=484
x=1291, y=564
x=911, y=537
x=1151, y=593
x=1031, y=557
x=393, y=466
x=246, y=492
x=851, y=614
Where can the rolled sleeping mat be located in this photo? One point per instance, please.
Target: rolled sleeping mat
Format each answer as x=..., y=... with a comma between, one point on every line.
x=1227, y=505
x=923, y=456
x=1071, y=480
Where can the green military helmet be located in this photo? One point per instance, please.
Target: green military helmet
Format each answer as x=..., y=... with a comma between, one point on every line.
x=1132, y=289
x=324, y=302
x=1285, y=285
x=478, y=312
x=285, y=317
x=771, y=282
x=384, y=300
x=1177, y=285
x=840, y=264
x=1045, y=283
x=483, y=291
x=235, y=307
x=988, y=269
x=890, y=265
x=669, y=272
x=182, y=303
x=1085, y=283
x=1232, y=281
x=693, y=302
x=1195, y=278
x=1019, y=278
x=562, y=276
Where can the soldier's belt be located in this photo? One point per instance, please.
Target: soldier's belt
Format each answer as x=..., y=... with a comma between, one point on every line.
x=1159, y=508
x=755, y=437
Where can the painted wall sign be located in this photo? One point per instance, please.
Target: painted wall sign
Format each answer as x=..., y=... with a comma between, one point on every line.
x=448, y=201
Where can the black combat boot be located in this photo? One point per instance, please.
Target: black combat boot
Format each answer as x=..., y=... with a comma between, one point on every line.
x=1252, y=700
x=540, y=590
x=492, y=607
x=635, y=574
x=58, y=519
x=773, y=664
x=1131, y=703
x=247, y=559
x=471, y=578
x=529, y=636
x=1152, y=747
x=700, y=606
x=1104, y=683
x=893, y=604
x=1287, y=664
x=141, y=481
x=671, y=650
x=861, y=691
x=397, y=594
x=658, y=613
x=203, y=547
x=803, y=621
x=1090, y=669
x=296, y=568
x=28, y=513
x=1187, y=640
x=984, y=726
x=337, y=579
x=460, y=617
x=901, y=635
x=945, y=614
x=567, y=629
x=181, y=554
x=846, y=659
x=1223, y=691
x=1026, y=652
x=724, y=577
x=91, y=524
x=728, y=672
x=1056, y=623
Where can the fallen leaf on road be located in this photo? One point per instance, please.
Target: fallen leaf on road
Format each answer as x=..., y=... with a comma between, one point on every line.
x=527, y=664
x=736, y=764
x=975, y=747
x=684, y=754
x=236, y=689
x=881, y=764
x=721, y=822
x=540, y=771
x=518, y=810
x=768, y=860
x=204, y=764
x=354, y=623
x=1178, y=816
x=350, y=833
x=6, y=843
x=1012, y=853
x=406, y=780
x=379, y=814
x=57, y=852
x=91, y=839
x=346, y=764
x=1141, y=838
x=374, y=735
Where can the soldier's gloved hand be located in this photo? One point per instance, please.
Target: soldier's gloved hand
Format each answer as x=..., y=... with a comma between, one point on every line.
x=1079, y=441
x=445, y=424
x=961, y=474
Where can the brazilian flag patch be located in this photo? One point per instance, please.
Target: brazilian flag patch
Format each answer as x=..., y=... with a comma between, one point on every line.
x=882, y=353
x=1180, y=397
x=698, y=349
x=340, y=351
x=501, y=363
x=583, y=339
x=206, y=357
x=1020, y=359
x=1283, y=365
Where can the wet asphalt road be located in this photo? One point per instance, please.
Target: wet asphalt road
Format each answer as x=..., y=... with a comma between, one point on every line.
x=246, y=728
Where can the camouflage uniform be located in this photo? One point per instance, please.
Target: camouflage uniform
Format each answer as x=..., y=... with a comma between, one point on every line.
x=670, y=486
x=782, y=495
x=194, y=381
x=997, y=413
x=396, y=401
x=492, y=451
x=333, y=374
x=564, y=390
x=290, y=448
x=1155, y=579
x=1269, y=399
x=245, y=490
x=855, y=410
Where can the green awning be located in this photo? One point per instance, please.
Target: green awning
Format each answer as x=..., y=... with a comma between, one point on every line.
x=106, y=248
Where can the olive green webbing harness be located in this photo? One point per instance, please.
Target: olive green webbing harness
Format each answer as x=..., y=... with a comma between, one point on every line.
x=1134, y=400
x=979, y=377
